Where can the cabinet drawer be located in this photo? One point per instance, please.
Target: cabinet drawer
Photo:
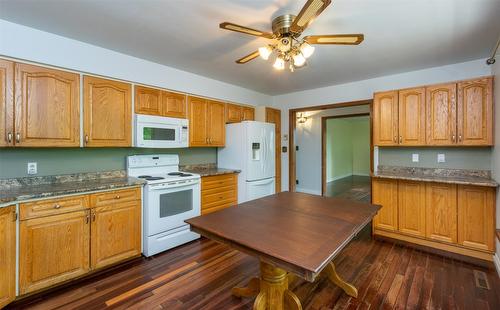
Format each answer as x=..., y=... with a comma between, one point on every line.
x=53, y=206
x=218, y=197
x=218, y=181
x=106, y=198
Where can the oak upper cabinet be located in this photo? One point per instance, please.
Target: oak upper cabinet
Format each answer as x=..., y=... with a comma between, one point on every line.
x=6, y=104
x=233, y=113
x=47, y=107
x=274, y=116
x=248, y=114
x=53, y=248
x=385, y=193
x=147, y=101
x=206, y=122
x=475, y=112
x=116, y=226
x=411, y=208
x=441, y=110
x=107, y=113
x=476, y=227
x=441, y=212
x=173, y=104
x=7, y=255
x=385, y=118
x=411, y=116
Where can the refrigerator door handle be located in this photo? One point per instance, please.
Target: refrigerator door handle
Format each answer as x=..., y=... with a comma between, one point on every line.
x=262, y=182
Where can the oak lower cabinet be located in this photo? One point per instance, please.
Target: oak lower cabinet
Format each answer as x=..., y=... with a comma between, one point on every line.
x=116, y=227
x=385, y=193
x=53, y=249
x=449, y=217
x=7, y=255
x=218, y=192
x=107, y=111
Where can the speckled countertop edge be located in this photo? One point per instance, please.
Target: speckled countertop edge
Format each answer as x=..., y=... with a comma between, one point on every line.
x=206, y=170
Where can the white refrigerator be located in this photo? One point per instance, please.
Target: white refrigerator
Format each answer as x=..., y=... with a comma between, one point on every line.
x=250, y=148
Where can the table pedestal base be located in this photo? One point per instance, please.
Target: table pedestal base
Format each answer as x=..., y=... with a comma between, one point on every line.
x=272, y=288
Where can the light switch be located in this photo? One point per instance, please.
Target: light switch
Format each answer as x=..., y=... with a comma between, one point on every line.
x=414, y=158
x=32, y=168
x=441, y=158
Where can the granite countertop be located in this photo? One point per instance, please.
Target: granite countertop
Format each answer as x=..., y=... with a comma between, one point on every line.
x=438, y=175
x=206, y=170
x=20, y=189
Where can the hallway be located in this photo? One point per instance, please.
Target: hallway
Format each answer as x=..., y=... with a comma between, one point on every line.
x=354, y=187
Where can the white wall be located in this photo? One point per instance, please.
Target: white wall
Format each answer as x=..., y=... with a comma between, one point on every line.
x=495, y=157
x=30, y=44
x=362, y=90
x=308, y=137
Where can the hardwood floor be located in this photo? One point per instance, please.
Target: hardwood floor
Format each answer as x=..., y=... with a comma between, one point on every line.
x=200, y=275
x=355, y=187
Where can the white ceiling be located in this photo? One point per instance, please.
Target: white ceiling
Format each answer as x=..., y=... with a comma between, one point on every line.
x=400, y=35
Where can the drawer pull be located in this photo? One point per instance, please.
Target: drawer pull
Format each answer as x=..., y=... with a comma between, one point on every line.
x=57, y=206
x=117, y=197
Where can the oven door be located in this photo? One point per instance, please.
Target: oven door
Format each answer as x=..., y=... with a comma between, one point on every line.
x=168, y=208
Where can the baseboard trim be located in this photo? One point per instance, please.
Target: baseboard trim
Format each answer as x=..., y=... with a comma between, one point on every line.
x=307, y=191
x=496, y=261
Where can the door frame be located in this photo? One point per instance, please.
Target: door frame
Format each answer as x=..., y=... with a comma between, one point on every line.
x=324, y=119
x=292, y=124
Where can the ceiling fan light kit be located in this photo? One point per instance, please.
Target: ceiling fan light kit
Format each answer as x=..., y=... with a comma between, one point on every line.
x=287, y=45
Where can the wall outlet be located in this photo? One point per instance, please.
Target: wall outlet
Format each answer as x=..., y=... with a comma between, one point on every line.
x=32, y=168
x=414, y=158
x=441, y=158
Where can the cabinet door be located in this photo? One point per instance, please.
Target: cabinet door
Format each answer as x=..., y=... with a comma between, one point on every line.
x=53, y=249
x=274, y=116
x=6, y=103
x=412, y=116
x=147, y=100
x=7, y=255
x=107, y=110
x=233, y=113
x=115, y=233
x=476, y=227
x=385, y=118
x=475, y=112
x=47, y=111
x=411, y=208
x=441, y=110
x=248, y=114
x=173, y=104
x=216, y=124
x=441, y=212
x=385, y=193
x=197, y=115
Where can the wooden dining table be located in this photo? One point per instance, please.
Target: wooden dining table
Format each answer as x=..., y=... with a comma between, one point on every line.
x=292, y=234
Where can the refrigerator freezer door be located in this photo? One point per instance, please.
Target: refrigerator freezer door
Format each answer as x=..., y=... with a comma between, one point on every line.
x=259, y=151
x=258, y=189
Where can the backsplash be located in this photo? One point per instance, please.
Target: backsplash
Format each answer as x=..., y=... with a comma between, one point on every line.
x=478, y=158
x=51, y=161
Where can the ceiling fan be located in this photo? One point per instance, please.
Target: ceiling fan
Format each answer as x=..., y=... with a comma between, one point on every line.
x=286, y=40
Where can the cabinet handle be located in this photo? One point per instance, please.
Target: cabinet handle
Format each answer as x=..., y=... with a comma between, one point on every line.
x=14, y=216
x=117, y=197
x=210, y=140
x=18, y=137
x=86, y=139
x=57, y=206
x=87, y=218
x=400, y=139
x=93, y=216
x=206, y=140
x=453, y=138
x=459, y=138
x=9, y=137
x=395, y=139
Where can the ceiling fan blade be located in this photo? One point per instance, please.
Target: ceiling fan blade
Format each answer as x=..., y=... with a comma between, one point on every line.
x=245, y=30
x=247, y=58
x=309, y=12
x=341, y=39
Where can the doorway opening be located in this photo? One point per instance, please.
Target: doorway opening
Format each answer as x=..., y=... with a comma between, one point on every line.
x=346, y=156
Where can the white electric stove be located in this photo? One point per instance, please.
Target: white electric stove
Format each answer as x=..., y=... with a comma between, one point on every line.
x=170, y=198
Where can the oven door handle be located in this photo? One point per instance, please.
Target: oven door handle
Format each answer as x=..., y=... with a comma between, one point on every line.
x=156, y=188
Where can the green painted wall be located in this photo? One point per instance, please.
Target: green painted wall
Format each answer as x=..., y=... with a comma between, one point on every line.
x=457, y=158
x=347, y=147
x=13, y=161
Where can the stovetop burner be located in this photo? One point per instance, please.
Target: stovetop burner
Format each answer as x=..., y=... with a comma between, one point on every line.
x=180, y=174
x=150, y=178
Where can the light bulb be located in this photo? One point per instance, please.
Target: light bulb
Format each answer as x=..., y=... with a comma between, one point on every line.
x=298, y=60
x=279, y=64
x=306, y=49
x=265, y=51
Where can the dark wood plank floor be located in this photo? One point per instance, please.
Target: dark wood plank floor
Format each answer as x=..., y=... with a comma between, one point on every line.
x=355, y=187
x=200, y=275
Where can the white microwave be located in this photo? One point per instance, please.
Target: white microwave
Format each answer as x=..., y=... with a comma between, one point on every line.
x=160, y=132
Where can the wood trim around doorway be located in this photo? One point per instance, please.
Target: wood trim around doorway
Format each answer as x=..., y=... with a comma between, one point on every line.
x=323, y=145
x=292, y=123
